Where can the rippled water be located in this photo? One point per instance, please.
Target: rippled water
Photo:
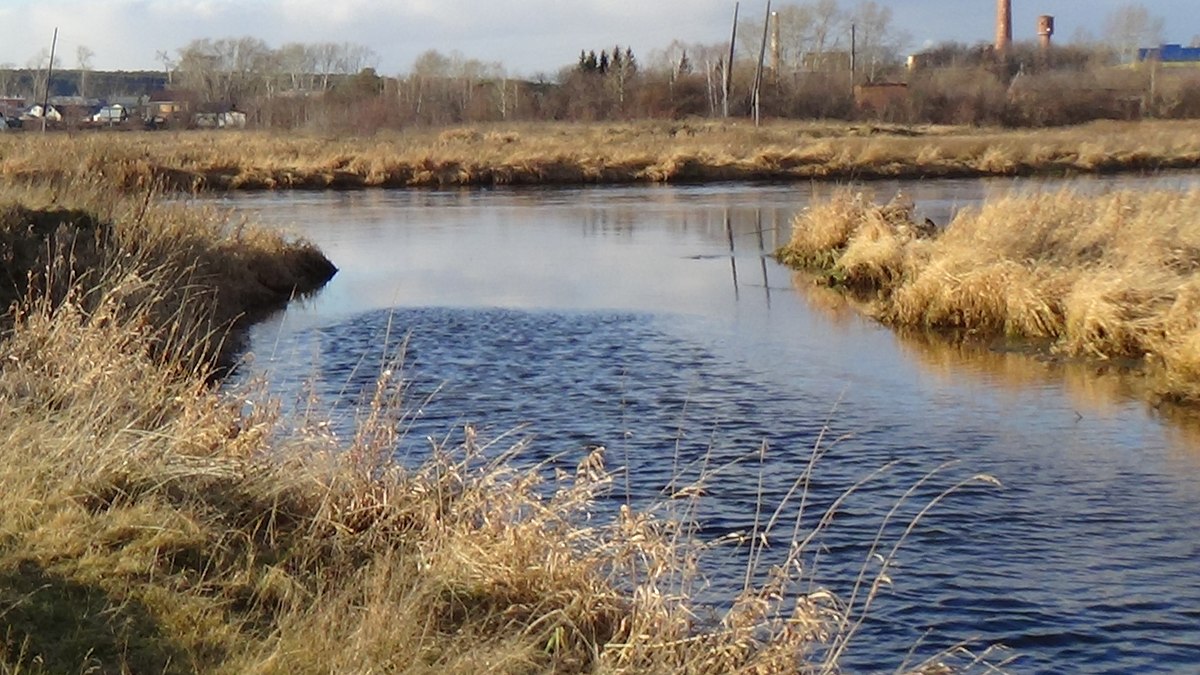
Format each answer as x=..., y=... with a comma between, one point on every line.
x=611, y=316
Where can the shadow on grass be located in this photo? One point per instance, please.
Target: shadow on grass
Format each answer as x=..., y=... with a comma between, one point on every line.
x=51, y=624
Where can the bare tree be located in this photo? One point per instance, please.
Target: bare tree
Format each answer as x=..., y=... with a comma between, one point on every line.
x=878, y=43
x=1131, y=26
x=37, y=65
x=808, y=32
x=163, y=57
x=83, y=60
x=226, y=70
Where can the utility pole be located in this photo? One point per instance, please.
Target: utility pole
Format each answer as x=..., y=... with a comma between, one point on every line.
x=49, y=73
x=853, y=54
x=762, y=55
x=776, y=57
x=729, y=64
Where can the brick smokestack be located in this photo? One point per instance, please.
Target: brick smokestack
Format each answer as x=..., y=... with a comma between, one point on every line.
x=1045, y=31
x=1003, y=25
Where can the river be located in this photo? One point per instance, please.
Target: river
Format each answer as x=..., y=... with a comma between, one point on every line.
x=619, y=316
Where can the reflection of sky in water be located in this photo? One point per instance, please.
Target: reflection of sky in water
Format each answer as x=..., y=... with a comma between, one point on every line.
x=610, y=316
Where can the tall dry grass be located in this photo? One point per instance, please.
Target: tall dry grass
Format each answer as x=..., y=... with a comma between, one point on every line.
x=554, y=153
x=1114, y=277
x=81, y=242
x=152, y=523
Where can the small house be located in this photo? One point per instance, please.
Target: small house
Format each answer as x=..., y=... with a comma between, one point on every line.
x=167, y=106
x=111, y=114
x=37, y=112
x=218, y=116
x=880, y=98
x=12, y=106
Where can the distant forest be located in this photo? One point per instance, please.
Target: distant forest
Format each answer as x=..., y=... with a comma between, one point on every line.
x=808, y=70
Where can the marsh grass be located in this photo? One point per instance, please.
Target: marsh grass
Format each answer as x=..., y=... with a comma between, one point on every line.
x=153, y=523
x=561, y=153
x=1110, y=277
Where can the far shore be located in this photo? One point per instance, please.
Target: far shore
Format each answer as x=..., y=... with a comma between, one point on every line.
x=601, y=153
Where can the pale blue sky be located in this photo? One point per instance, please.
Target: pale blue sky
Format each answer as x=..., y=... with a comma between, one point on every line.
x=528, y=36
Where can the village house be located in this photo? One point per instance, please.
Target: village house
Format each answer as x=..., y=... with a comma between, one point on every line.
x=167, y=107
x=12, y=106
x=37, y=112
x=111, y=114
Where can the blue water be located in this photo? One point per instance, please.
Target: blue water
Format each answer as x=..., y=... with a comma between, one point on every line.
x=611, y=317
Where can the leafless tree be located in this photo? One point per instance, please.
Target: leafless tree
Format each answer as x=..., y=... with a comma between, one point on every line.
x=877, y=42
x=227, y=70
x=83, y=61
x=1131, y=26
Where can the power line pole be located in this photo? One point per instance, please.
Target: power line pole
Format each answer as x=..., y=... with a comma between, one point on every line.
x=729, y=63
x=853, y=54
x=758, y=73
x=49, y=73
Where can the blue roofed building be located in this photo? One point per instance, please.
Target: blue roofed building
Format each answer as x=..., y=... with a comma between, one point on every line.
x=1170, y=54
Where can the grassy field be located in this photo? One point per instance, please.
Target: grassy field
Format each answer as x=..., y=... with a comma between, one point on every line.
x=152, y=523
x=556, y=154
x=1114, y=278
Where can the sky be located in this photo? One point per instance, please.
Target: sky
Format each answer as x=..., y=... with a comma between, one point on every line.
x=528, y=36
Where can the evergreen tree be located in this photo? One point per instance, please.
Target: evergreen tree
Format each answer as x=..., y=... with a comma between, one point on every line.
x=603, y=62
x=582, y=61
x=630, y=63
x=616, y=58
x=591, y=64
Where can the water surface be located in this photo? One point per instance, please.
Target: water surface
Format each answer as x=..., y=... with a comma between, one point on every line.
x=619, y=317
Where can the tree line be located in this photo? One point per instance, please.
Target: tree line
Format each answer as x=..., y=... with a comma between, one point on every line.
x=806, y=73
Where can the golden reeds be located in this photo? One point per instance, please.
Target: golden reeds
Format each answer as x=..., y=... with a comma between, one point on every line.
x=1111, y=276
x=151, y=523
x=553, y=153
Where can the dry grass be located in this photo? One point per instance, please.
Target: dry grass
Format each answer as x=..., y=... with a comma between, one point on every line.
x=1113, y=277
x=150, y=523
x=595, y=153
x=80, y=242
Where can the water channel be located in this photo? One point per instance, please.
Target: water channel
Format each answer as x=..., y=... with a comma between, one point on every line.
x=618, y=316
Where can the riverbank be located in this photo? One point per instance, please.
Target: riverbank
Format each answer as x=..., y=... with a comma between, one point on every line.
x=1114, y=278
x=150, y=523
x=575, y=154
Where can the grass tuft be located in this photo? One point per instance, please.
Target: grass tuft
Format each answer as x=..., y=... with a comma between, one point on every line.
x=1111, y=277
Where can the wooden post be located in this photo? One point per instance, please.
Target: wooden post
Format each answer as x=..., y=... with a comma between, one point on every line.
x=732, y=255
x=729, y=63
x=762, y=55
x=49, y=73
x=776, y=56
x=853, y=54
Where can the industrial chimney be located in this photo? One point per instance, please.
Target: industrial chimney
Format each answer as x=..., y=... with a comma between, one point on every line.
x=1045, y=31
x=1003, y=25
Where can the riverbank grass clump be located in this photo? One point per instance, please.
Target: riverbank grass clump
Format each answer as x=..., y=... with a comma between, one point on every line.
x=152, y=523
x=1113, y=277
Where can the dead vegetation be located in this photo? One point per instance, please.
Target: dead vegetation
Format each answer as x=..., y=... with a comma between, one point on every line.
x=153, y=523
x=1111, y=277
x=560, y=153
